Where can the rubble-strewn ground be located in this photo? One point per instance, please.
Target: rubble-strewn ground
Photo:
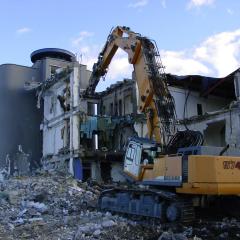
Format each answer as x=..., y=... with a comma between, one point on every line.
x=54, y=207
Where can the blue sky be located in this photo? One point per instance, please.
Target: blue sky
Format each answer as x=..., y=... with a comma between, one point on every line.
x=193, y=36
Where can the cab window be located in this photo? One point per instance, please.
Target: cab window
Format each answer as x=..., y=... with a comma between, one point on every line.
x=131, y=152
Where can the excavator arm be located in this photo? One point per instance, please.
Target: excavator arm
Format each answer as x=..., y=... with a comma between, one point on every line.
x=154, y=97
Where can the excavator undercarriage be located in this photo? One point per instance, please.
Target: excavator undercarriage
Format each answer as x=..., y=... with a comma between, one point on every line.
x=151, y=203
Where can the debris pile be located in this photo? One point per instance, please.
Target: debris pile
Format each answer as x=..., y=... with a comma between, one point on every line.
x=35, y=207
x=55, y=206
x=201, y=229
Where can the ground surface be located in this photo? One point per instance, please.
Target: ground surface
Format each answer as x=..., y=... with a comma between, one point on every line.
x=54, y=207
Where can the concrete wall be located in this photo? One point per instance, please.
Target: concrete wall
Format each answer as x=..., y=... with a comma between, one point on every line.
x=14, y=76
x=128, y=93
x=19, y=117
x=84, y=77
x=219, y=129
x=53, y=122
x=52, y=108
x=120, y=101
x=209, y=104
x=48, y=63
x=61, y=128
x=52, y=139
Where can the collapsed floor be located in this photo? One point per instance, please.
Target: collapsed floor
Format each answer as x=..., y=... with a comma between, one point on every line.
x=55, y=206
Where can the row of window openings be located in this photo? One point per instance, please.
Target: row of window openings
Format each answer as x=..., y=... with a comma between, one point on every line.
x=117, y=110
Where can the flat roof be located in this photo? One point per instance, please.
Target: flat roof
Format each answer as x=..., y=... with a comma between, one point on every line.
x=52, y=53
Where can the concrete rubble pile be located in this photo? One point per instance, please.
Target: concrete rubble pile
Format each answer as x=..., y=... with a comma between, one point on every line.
x=208, y=228
x=55, y=206
x=35, y=207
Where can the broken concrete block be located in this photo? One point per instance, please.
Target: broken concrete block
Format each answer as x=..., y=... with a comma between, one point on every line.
x=108, y=223
x=41, y=207
x=13, y=197
x=97, y=232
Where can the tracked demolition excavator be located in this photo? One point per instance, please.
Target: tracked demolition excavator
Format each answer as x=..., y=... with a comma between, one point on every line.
x=177, y=172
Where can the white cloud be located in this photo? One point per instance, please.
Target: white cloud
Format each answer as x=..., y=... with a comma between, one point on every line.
x=23, y=30
x=138, y=4
x=217, y=56
x=200, y=3
x=87, y=54
x=163, y=3
x=120, y=67
x=82, y=36
x=221, y=51
x=181, y=63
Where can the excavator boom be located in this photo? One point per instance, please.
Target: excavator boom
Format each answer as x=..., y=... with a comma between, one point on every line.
x=154, y=97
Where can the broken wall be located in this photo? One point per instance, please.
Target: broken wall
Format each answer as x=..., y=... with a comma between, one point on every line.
x=192, y=104
x=219, y=128
x=119, y=99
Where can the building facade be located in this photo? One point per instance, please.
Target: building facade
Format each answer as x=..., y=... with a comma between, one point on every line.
x=47, y=122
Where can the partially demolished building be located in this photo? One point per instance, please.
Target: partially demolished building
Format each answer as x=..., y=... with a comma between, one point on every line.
x=211, y=106
x=106, y=120
x=87, y=136
x=78, y=133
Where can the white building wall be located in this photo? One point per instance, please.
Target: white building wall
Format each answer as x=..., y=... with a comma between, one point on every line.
x=58, y=139
x=54, y=117
x=84, y=77
x=48, y=139
x=52, y=108
x=209, y=104
x=231, y=120
x=123, y=94
x=48, y=63
x=52, y=139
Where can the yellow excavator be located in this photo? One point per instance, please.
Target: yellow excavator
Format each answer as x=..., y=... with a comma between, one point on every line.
x=177, y=172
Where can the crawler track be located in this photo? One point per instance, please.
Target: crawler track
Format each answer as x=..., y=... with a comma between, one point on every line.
x=160, y=205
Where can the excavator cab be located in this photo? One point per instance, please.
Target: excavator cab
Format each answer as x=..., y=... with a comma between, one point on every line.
x=140, y=153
